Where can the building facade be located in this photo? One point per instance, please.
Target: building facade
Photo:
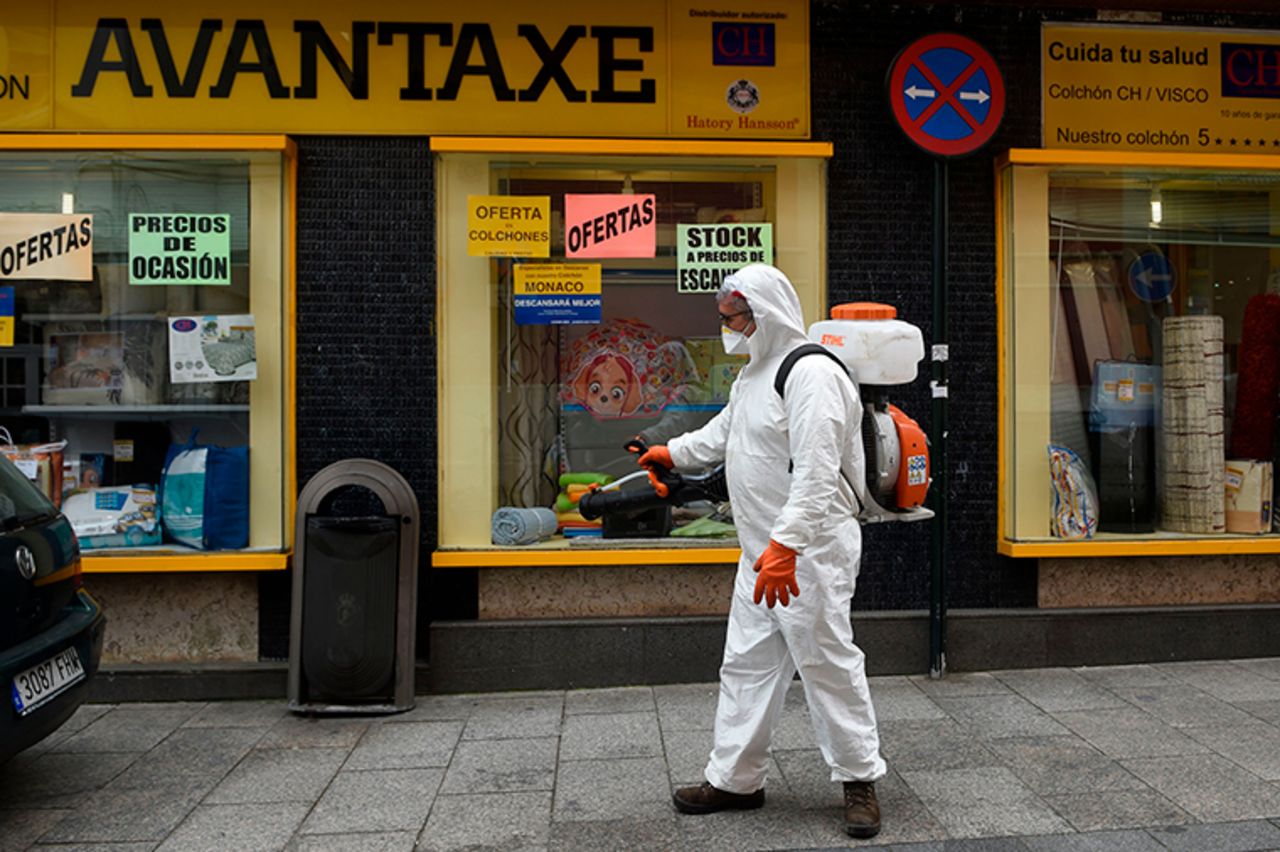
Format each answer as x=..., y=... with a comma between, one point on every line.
x=347, y=156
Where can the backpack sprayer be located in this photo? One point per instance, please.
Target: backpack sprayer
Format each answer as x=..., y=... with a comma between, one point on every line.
x=878, y=351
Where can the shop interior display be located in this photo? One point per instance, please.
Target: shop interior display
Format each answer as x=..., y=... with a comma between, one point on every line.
x=570, y=396
x=97, y=386
x=1165, y=356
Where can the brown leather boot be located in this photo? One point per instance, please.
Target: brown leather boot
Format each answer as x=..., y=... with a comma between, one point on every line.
x=706, y=799
x=861, y=810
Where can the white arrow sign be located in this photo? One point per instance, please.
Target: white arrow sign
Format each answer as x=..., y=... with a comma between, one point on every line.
x=980, y=96
x=1146, y=276
x=914, y=93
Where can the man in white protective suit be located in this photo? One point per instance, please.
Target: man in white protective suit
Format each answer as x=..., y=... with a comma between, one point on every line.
x=801, y=545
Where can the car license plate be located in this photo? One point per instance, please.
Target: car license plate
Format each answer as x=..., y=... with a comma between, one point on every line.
x=42, y=682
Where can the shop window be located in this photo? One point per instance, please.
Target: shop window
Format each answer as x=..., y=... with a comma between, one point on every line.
x=172, y=333
x=562, y=398
x=1141, y=314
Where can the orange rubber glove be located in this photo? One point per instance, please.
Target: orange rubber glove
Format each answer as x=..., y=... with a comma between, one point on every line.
x=776, y=570
x=657, y=456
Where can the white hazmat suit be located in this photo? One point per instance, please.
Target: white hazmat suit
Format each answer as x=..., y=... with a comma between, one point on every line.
x=783, y=458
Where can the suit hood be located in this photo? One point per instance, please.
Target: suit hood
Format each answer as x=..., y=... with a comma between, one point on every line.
x=775, y=308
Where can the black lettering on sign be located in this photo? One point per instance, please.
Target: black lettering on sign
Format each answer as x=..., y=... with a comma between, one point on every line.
x=107, y=31
x=552, y=62
x=470, y=35
x=186, y=86
x=235, y=63
x=607, y=91
x=13, y=87
x=415, y=34
x=355, y=77
x=620, y=62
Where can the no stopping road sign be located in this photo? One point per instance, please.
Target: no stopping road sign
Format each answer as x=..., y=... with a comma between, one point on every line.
x=947, y=94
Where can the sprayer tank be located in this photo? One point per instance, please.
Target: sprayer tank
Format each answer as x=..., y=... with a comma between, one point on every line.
x=878, y=348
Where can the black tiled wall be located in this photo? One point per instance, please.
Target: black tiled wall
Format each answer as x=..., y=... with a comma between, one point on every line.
x=366, y=347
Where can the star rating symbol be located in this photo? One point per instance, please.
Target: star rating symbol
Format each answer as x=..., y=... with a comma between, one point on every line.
x=1217, y=141
x=1248, y=142
x=1233, y=141
x=1262, y=143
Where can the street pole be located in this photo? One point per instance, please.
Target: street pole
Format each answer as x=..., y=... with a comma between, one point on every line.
x=938, y=386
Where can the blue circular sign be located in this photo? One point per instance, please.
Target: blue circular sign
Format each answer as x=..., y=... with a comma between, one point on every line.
x=946, y=94
x=1151, y=277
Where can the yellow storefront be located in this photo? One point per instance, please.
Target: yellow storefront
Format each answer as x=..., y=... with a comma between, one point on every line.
x=1138, y=293
x=141, y=113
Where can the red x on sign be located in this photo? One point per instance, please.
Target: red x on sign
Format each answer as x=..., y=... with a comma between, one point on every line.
x=947, y=94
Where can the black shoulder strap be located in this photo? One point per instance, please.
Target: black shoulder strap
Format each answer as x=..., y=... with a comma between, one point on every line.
x=780, y=380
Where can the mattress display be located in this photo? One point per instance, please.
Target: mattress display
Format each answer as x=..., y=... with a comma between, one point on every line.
x=1193, y=457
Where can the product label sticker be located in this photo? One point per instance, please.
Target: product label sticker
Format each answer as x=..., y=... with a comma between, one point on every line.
x=110, y=500
x=917, y=470
x=30, y=468
x=122, y=449
x=1125, y=390
x=212, y=349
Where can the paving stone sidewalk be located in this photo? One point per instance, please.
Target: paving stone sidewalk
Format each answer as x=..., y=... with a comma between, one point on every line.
x=1181, y=756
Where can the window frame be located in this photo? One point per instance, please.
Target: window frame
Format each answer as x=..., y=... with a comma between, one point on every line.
x=144, y=561
x=469, y=454
x=1011, y=475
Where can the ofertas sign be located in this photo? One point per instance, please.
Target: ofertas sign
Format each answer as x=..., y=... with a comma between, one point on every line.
x=46, y=245
x=1160, y=88
x=509, y=226
x=179, y=248
x=610, y=226
x=736, y=69
x=705, y=254
x=557, y=293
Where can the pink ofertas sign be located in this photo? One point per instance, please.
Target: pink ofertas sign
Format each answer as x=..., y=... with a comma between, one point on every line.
x=609, y=226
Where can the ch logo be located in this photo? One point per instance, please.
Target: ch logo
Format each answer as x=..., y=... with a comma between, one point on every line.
x=26, y=562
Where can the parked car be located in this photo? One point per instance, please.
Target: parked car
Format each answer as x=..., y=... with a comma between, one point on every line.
x=50, y=628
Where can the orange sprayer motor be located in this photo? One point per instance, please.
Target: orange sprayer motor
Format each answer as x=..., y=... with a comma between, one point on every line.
x=882, y=351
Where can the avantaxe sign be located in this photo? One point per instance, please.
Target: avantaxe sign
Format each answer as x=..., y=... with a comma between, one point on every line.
x=730, y=70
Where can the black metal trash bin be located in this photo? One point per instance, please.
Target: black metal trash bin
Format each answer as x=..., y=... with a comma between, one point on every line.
x=349, y=607
x=354, y=596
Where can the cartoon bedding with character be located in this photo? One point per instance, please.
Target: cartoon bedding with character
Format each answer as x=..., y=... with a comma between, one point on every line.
x=625, y=368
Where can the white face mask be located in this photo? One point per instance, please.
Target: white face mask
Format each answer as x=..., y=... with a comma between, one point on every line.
x=735, y=342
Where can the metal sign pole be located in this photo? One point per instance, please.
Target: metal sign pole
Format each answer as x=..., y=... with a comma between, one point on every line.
x=947, y=95
x=938, y=422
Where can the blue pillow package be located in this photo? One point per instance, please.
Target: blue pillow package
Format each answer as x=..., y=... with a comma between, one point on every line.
x=205, y=495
